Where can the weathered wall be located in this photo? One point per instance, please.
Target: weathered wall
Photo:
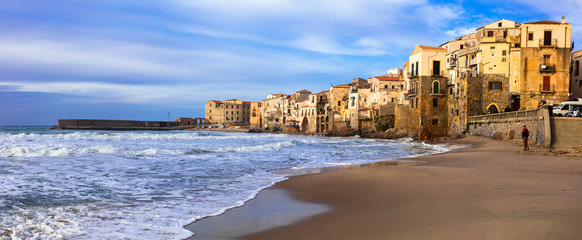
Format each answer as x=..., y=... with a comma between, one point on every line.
x=566, y=131
x=504, y=126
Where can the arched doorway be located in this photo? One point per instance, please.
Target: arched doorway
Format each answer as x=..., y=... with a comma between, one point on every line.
x=492, y=109
x=304, y=124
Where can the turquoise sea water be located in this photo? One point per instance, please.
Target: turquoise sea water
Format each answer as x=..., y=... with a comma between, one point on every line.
x=148, y=185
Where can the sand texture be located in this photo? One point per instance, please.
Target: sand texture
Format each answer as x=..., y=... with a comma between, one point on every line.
x=491, y=190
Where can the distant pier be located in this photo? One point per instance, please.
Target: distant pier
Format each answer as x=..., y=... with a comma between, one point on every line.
x=128, y=125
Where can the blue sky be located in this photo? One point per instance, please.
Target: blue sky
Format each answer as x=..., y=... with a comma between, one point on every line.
x=140, y=59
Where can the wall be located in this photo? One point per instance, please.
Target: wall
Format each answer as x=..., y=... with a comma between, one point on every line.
x=566, y=132
x=505, y=126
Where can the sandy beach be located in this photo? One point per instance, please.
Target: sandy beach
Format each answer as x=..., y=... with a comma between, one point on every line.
x=487, y=190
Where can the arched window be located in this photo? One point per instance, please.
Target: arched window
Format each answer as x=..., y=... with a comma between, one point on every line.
x=435, y=87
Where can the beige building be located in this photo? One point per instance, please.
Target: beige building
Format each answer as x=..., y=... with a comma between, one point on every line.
x=575, y=74
x=545, y=63
x=427, y=93
x=232, y=111
x=256, y=115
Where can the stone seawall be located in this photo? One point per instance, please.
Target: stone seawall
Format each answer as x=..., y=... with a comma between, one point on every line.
x=505, y=126
x=94, y=124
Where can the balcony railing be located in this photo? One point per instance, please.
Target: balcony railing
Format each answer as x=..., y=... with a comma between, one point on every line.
x=547, y=68
x=437, y=73
x=547, y=88
x=549, y=43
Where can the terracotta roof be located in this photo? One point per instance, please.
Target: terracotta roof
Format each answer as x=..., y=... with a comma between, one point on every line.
x=432, y=48
x=387, y=78
x=215, y=101
x=420, y=48
x=343, y=85
x=322, y=92
x=304, y=90
x=234, y=99
x=544, y=22
x=576, y=52
x=246, y=102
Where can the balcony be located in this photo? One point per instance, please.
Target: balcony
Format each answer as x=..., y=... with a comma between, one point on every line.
x=437, y=73
x=496, y=39
x=548, y=42
x=547, y=88
x=546, y=68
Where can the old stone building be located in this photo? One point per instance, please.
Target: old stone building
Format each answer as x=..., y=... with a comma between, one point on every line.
x=545, y=63
x=256, y=115
x=575, y=75
x=427, y=92
x=232, y=111
x=273, y=111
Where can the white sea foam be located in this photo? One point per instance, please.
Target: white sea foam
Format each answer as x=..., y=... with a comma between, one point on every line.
x=127, y=185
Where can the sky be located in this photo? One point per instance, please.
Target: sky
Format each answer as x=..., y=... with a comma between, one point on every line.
x=145, y=59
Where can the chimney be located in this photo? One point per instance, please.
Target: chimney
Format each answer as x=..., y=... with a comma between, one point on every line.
x=563, y=19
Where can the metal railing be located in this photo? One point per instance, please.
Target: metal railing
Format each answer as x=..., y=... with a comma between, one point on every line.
x=545, y=88
x=549, y=43
x=496, y=117
x=547, y=68
x=437, y=73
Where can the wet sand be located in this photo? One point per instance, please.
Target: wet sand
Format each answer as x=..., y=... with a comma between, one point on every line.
x=490, y=190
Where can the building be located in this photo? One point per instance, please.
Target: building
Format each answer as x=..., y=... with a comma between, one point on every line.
x=575, y=76
x=273, y=111
x=256, y=115
x=427, y=96
x=545, y=63
x=232, y=111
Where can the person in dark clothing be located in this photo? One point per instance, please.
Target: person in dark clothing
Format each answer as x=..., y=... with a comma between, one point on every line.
x=525, y=136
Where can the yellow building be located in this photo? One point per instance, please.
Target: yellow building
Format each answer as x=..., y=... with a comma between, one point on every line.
x=576, y=75
x=256, y=115
x=545, y=63
x=427, y=93
x=232, y=111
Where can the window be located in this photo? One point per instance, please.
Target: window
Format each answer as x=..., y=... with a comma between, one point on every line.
x=436, y=68
x=210, y=110
x=576, y=68
x=499, y=24
x=546, y=60
x=492, y=48
x=392, y=86
x=385, y=86
x=339, y=103
x=503, y=59
x=435, y=122
x=435, y=87
x=416, y=72
x=489, y=33
x=417, y=102
x=530, y=36
x=495, y=85
x=435, y=102
x=504, y=53
x=412, y=70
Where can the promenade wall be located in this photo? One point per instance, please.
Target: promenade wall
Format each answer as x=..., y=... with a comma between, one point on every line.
x=506, y=126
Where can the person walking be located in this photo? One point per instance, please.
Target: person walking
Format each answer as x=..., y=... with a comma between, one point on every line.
x=525, y=136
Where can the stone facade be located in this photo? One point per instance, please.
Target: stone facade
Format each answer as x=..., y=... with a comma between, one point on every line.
x=576, y=74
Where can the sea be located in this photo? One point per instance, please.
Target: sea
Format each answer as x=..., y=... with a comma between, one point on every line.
x=63, y=184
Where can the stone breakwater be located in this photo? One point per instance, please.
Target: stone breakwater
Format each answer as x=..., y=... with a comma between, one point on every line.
x=126, y=125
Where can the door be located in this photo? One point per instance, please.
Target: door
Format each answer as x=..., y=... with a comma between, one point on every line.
x=546, y=85
x=547, y=38
x=436, y=68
